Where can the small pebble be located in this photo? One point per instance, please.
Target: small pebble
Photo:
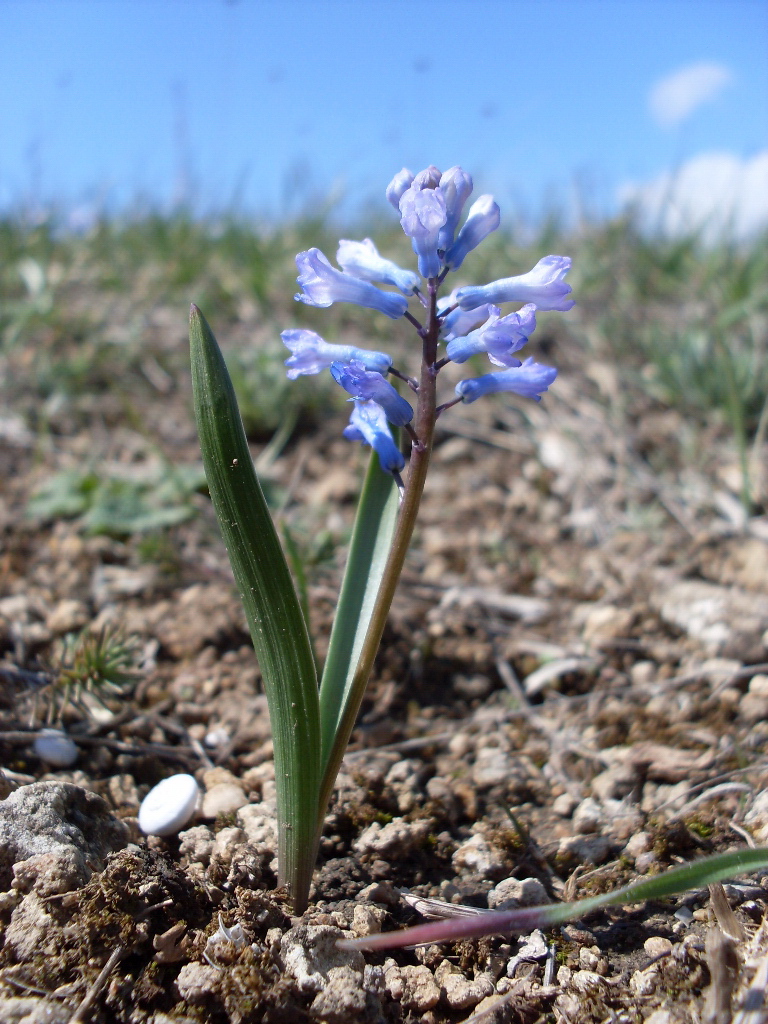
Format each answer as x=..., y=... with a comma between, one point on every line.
x=218, y=737
x=225, y=798
x=657, y=945
x=56, y=748
x=564, y=805
x=167, y=808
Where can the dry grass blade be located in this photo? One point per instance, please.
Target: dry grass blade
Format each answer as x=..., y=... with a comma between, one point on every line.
x=729, y=923
x=723, y=963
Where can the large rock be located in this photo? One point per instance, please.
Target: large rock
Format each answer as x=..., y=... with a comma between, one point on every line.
x=53, y=835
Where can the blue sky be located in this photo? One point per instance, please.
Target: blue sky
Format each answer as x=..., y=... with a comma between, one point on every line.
x=266, y=104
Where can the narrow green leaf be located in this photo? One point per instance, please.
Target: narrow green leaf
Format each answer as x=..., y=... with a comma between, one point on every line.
x=371, y=541
x=274, y=616
x=490, y=922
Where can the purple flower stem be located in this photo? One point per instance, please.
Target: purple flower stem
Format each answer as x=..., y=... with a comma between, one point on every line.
x=443, y=274
x=409, y=316
x=412, y=383
x=440, y=364
x=447, y=405
x=447, y=310
x=413, y=436
x=421, y=297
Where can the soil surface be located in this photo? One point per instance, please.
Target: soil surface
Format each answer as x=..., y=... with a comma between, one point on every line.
x=572, y=692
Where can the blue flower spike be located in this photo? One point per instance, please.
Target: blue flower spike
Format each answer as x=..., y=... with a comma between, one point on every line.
x=370, y=386
x=322, y=285
x=311, y=354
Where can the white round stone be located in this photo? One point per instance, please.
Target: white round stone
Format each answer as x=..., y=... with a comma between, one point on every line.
x=167, y=808
x=56, y=748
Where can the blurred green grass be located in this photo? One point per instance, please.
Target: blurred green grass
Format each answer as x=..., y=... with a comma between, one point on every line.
x=100, y=317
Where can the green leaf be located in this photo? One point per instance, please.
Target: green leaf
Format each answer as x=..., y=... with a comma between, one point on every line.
x=371, y=541
x=491, y=922
x=274, y=616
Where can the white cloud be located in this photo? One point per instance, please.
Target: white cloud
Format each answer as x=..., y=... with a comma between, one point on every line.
x=717, y=193
x=674, y=98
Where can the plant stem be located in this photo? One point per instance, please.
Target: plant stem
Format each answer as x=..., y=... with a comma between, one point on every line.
x=414, y=488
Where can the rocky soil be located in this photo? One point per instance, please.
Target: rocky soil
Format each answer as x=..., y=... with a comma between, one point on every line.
x=572, y=692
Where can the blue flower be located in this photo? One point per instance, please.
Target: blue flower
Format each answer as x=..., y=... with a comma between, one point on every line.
x=323, y=285
x=362, y=259
x=456, y=186
x=368, y=423
x=422, y=214
x=401, y=181
x=370, y=386
x=461, y=321
x=544, y=286
x=529, y=380
x=311, y=354
x=500, y=337
x=483, y=218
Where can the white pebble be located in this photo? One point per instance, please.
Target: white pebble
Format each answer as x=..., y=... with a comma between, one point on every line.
x=216, y=738
x=56, y=748
x=167, y=808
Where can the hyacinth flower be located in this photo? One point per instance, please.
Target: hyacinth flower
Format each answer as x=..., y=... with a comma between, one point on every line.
x=499, y=337
x=399, y=184
x=430, y=177
x=423, y=213
x=459, y=322
x=362, y=259
x=322, y=285
x=368, y=386
x=312, y=719
x=528, y=379
x=484, y=217
x=310, y=354
x=456, y=186
x=544, y=286
x=368, y=423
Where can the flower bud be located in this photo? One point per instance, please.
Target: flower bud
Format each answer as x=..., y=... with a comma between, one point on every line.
x=456, y=186
x=484, y=217
x=401, y=181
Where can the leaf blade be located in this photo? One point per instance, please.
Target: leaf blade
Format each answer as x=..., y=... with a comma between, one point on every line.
x=275, y=619
x=368, y=551
x=523, y=920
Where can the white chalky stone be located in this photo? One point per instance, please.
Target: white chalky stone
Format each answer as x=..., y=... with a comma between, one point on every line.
x=56, y=748
x=167, y=808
